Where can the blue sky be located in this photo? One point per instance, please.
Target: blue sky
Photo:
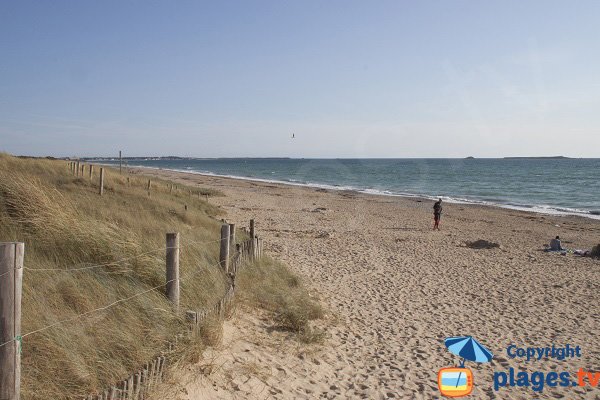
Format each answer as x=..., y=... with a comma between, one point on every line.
x=349, y=78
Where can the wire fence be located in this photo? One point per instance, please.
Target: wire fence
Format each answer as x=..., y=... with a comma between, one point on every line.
x=115, y=302
x=138, y=385
x=116, y=262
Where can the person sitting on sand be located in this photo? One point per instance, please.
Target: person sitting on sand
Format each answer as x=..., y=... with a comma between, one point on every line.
x=437, y=214
x=556, y=245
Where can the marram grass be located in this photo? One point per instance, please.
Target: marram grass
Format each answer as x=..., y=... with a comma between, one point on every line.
x=68, y=230
x=67, y=226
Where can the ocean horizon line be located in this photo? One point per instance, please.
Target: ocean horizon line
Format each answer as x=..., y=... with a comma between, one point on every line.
x=171, y=157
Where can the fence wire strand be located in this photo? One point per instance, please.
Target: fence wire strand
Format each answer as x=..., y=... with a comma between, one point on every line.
x=108, y=306
x=235, y=261
x=112, y=263
x=82, y=315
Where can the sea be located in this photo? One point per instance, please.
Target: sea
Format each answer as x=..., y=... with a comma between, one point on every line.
x=566, y=186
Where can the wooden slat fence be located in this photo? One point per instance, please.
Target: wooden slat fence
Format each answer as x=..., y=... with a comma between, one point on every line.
x=139, y=385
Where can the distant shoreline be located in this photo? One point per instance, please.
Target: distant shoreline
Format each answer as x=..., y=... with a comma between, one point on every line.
x=422, y=197
x=538, y=158
x=523, y=158
x=172, y=158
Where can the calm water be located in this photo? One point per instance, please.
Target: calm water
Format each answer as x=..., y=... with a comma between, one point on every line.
x=543, y=185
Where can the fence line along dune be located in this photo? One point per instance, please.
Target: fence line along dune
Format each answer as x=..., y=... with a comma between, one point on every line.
x=84, y=252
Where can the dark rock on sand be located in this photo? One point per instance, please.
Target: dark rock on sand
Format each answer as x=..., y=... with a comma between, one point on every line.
x=482, y=244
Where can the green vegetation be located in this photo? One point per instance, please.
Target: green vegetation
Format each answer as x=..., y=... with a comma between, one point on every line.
x=270, y=285
x=66, y=225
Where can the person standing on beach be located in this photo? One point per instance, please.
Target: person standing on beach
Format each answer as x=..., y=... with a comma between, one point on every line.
x=437, y=214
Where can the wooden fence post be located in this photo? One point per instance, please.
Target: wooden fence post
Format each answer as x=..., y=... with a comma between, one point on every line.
x=161, y=370
x=146, y=380
x=252, y=236
x=77, y=169
x=224, y=255
x=138, y=384
x=130, y=392
x=191, y=317
x=173, y=268
x=152, y=373
x=148, y=185
x=232, y=234
x=91, y=171
x=238, y=257
x=101, y=181
x=11, y=270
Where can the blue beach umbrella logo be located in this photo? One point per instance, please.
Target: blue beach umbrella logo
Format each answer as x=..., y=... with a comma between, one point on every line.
x=468, y=348
x=458, y=381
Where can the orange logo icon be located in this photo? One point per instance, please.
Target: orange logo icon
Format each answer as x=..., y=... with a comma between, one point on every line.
x=455, y=382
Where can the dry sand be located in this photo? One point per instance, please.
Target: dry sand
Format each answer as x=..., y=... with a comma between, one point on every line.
x=398, y=289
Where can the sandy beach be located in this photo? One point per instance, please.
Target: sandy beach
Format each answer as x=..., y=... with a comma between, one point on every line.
x=394, y=289
x=321, y=122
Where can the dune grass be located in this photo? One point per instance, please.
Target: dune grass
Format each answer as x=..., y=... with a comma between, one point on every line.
x=269, y=285
x=66, y=225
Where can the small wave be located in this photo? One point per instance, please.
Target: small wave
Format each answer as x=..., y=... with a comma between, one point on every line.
x=540, y=208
